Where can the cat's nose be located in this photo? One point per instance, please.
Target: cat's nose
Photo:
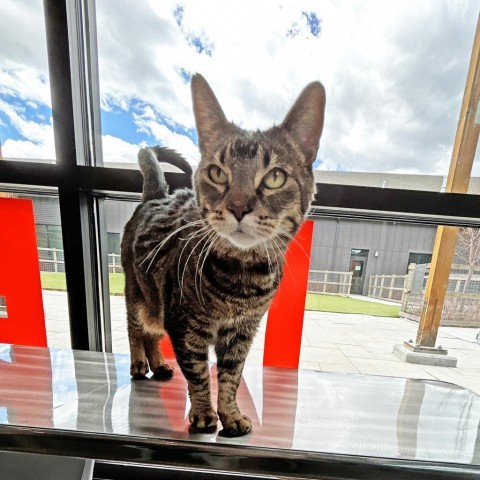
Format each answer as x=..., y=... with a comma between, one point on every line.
x=239, y=210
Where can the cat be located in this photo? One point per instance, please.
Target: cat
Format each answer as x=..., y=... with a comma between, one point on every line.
x=204, y=264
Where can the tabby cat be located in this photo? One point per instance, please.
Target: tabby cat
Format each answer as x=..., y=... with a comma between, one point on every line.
x=203, y=265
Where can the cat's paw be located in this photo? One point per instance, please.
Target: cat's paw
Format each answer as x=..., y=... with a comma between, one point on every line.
x=138, y=370
x=203, y=419
x=235, y=425
x=163, y=372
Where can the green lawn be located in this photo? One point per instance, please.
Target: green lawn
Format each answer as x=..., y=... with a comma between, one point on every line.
x=56, y=281
x=338, y=304
x=53, y=281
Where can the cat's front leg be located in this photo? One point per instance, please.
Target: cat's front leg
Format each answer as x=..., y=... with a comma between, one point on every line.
x=191, y=352
x=232, y=350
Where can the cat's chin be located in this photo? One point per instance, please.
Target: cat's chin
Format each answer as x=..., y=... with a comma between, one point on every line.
x=243, y=240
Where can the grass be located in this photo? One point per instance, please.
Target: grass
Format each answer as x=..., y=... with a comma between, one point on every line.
x=56, y=281
x=338, y=304
x=53, y=281
x=117, y=283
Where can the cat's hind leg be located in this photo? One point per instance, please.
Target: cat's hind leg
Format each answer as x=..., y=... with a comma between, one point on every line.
x=138, y=354
x=149, y=333
x=160, y=369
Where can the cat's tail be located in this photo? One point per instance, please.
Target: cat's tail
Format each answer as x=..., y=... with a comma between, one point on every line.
x=154, y=184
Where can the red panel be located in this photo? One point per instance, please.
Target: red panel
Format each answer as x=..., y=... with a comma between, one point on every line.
x=20, y=275
x=279, y=385
x=283, y=337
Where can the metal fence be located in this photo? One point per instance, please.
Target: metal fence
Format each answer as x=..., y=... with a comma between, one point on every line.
x=462, y=301
x=387, y=287
x=114, y=265
x=52, y=260
x=324, y=281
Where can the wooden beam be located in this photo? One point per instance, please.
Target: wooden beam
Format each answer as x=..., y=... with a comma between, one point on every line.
x=463, y=154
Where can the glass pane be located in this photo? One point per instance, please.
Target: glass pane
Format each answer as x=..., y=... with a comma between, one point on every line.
x=394, y=77
x=360, y=307
x=117, y=215
x=366, y=289
x=26, y=130
x=52, y=267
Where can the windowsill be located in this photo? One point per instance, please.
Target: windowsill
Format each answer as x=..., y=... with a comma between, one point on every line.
x=83, y=404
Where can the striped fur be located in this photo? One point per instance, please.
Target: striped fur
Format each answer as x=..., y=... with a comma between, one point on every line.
x=204, y=264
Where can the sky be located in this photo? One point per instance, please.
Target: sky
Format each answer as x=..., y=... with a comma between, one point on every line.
x=394, y=73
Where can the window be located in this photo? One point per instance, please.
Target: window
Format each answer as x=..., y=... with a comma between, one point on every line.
x=26, y=128
x=379, y=202
x=418, y=258
x=382, y=137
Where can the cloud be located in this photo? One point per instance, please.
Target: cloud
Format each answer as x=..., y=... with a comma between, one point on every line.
x=395, y=106
x=37, y=141
x=117, y=150
x=23, y=50
x=153, y=125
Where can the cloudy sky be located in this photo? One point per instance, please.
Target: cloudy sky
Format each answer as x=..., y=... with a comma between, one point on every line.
x=394, y=73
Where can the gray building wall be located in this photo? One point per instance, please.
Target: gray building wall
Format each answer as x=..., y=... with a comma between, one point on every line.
x=118, y=213
x=47, y=211
x=334, y=239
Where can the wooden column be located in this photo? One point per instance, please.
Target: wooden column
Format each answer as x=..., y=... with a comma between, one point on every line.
x=463, y=154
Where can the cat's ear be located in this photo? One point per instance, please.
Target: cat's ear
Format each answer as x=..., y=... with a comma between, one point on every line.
x=209, y=117
x=304, y=121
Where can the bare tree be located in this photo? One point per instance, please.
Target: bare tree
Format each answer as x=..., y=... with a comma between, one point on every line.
x=468, y=250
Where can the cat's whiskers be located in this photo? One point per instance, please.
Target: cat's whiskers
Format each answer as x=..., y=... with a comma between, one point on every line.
x=193, y=234
x=188, y=258
x=197, y=273
x=188, y=239
x=282, y=252
x=212, y=243
x=265, y=246
x=275, y=249
x=291, y=238
x=155, y=251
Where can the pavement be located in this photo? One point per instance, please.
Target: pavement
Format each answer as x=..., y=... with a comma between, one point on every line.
x=331, y=342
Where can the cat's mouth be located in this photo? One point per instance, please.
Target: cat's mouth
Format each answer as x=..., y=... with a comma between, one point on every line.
x=240, y=239
x=242, y=235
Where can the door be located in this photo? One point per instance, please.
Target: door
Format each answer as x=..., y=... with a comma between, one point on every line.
x=358, y=267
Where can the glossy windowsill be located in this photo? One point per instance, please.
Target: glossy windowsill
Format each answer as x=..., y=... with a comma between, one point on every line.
x=84, y=404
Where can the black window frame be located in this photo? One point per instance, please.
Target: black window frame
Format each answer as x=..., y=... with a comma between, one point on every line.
x=82, y=183
x=430, y=254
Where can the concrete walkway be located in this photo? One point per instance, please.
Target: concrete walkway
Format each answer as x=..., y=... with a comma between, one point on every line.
x=331, y=342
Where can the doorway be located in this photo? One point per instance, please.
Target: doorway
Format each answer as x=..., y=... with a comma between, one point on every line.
x=358, y=266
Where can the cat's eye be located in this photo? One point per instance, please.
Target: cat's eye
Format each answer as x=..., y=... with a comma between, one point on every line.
x=275, y=179
x=217, y=175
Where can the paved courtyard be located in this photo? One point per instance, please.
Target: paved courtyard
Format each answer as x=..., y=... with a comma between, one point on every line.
x=331, y=342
